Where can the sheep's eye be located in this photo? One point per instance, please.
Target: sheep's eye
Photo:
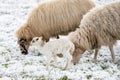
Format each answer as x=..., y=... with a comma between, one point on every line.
x=73, y=54
x=33, y=41
x=22, y=40
x=37, y=39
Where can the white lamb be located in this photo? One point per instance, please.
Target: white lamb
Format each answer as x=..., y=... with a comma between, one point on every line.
x=57, y=48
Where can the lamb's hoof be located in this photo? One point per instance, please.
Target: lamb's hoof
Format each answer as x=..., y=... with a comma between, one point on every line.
x=39, y=54
x=60, y=55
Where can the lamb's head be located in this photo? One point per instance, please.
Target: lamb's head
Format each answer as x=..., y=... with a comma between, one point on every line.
x=76, y=55
x=37, y=41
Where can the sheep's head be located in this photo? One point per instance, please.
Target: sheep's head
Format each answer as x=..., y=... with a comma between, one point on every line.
x=77, y=54
x=24, y=35
x=24, y=45
x=37, y=41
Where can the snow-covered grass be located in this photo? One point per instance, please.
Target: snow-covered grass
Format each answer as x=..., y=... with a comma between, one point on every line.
x=15, y=66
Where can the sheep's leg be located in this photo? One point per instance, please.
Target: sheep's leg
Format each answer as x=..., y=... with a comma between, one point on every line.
x=95, y=56
x=57, y=37
x=47, y=40
x=112, y=53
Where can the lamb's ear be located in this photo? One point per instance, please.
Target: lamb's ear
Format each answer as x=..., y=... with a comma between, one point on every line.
x=41, y=37
x=45, y=39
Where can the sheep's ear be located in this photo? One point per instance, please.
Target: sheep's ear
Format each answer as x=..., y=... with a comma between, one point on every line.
x=22, y=40
x=30, y=39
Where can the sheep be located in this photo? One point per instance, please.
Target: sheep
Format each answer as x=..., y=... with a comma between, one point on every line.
x=51, y=19
x=99, y=27
x=57, y=48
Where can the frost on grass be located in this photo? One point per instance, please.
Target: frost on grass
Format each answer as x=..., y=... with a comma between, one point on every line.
x=15, y=66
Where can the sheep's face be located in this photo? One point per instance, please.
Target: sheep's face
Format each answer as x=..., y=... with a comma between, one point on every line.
x=77, y=54
x=37, y=41
x=24, y=45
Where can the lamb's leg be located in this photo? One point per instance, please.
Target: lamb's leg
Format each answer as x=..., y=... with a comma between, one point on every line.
x=48, y=62
x=112, y=53
x=67, y=55
x=66, y=63
x=95, y=56
x=55, y=60
x=69, y=63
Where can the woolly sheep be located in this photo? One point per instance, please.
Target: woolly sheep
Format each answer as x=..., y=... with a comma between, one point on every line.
x=59, y=47
x=99, y=27
x=51, y=19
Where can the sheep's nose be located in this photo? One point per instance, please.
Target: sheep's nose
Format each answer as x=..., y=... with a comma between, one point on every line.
x=24, y=52
x=74, y=63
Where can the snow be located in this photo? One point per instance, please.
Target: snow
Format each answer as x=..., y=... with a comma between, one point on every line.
x=15, y=66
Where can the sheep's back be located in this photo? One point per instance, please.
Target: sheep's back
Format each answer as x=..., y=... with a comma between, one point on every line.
x=98, y=27
x=104, y=21
x=58, y=17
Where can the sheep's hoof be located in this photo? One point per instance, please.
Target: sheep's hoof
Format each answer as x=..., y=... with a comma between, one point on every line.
x=113, y=61
x=94, y=60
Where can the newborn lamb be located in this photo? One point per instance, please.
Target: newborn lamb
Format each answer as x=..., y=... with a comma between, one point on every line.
x=62, y=48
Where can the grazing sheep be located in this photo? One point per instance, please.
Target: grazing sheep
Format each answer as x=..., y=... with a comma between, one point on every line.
x=60, y=47
x=51, y=19
x=99, y=27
